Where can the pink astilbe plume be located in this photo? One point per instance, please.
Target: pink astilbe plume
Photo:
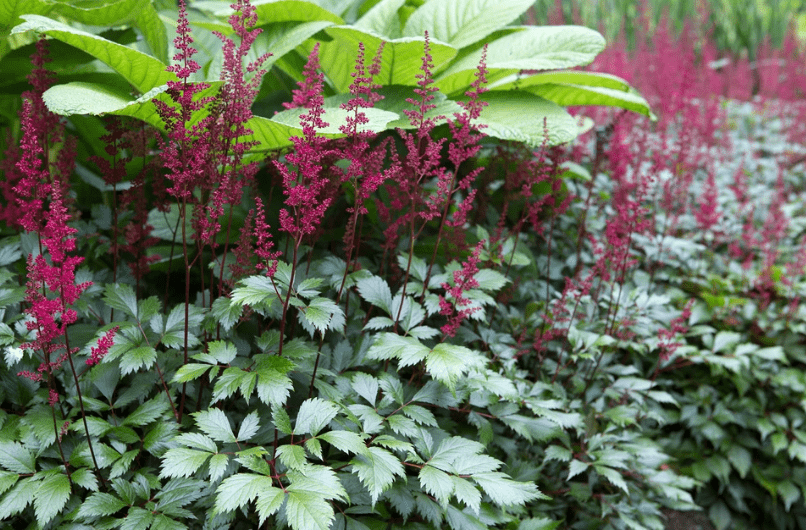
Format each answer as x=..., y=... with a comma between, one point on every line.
x=463, y=280
x=184, y=155
x=268, y=257
x=232, y=109
x=101, y=348
x=303, y=182
x=52, y=315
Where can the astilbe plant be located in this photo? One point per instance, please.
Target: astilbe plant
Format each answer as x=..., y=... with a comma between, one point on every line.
x=422, y=328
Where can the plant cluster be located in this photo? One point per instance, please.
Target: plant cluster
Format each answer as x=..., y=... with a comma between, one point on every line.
x=251, y=287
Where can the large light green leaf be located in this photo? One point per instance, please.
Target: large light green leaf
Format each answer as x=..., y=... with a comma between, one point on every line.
x=9, y=17
x=401, y=61
x=382, y=19
x=394, y=100
x=519, y=116
x=142, y=71
x=533, y=48
x=463, y=22
x=277, y=38
x=577, y=95
x=154, y=32
x=109, y=13
x=571, y=77
x=376, y=469
x=274, y=11
x=96, y=99
x=336, y=117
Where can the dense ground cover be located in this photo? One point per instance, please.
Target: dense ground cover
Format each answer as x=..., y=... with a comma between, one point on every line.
x=414, y=328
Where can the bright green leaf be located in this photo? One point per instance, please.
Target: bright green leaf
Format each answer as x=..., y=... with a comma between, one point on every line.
x=215, y=424
x=50, y=497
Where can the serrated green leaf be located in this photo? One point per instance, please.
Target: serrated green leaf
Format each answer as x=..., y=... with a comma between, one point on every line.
x=576, y=467
x=556, y=452
x=137, y=358
x=446, y=362
x=215, y=424
x=182, y=462
x=231, y=380
x=323, y=314
x=273, y=385
x=307, y=511
x=613, y=476
x=376, y=469
x=376, y=291
x=137, y=519
x=437, y=483
x=366, y=386
x=20, y=496
x=463, y=22
x=255, y=290
x=281, y=420
x=122, y=298
x=268, y=502
x=236, y=491
x=313, y=415
x=189, y=372
x=99, y=505
x=7, y=479
x=147, y=412
x=15, y=457
x=226, y=313
x=390, y=346
x=223, y=352
x=198, y=441
x=506, y=492
x=345, y=441
x=249, y=426
x=218, y=465
x=292, y=456
x=50, y=497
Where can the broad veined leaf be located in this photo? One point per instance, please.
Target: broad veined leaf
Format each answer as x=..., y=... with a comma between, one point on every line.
x=401, y=61
x=154, y=32
x=182, y=462
x=376, y=469
x=313, y=415
x=255, y=290
x=215, y=424
x=382, y=19
x=108, y=13
x=463, y=22
x=394, y=100
x=521, y=116
x=569, y=95
x=7, y=479
x=50, y=497
x=566, y=77
x=278, y=38
x=336, y=117
x=269, y=11
x=141, y=70
x=533, y=48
